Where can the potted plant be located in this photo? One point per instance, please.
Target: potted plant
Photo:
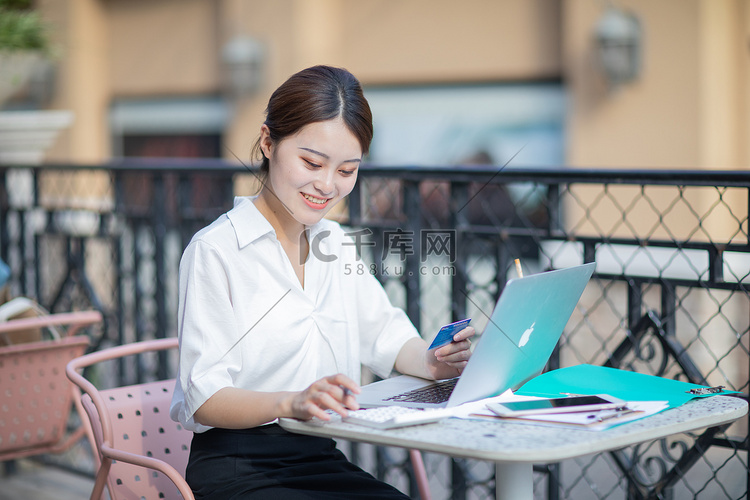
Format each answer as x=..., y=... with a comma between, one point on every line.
x=25, y=134
x=23, y=45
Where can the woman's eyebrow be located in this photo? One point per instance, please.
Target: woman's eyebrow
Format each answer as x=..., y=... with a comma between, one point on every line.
x=323, y=155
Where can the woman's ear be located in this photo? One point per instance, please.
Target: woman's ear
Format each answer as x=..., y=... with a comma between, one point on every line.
x=266, y=143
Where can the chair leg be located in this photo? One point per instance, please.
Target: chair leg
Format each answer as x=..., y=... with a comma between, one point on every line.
x=420, y=474
x=97, y=493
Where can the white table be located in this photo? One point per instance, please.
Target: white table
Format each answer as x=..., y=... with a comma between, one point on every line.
x=516, y=447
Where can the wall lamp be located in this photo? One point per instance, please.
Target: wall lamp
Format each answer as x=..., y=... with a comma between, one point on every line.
x=618, y=39
x=243, y=59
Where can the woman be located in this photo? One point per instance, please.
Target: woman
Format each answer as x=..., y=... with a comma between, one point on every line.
x=273, y=322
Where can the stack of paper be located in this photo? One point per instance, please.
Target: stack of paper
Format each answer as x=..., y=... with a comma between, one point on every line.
x=645, y=394
x=590, y=420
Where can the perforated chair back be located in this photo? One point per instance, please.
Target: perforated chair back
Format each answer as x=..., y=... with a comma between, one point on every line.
x=141, y=425
x=142, y=452
x=35, y=396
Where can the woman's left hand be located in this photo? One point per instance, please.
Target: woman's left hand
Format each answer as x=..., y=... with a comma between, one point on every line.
x=450, y=360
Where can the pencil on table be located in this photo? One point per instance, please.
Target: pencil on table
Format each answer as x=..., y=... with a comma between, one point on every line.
x=519, y=271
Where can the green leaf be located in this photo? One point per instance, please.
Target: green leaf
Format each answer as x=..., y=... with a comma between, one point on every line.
x=22, y=30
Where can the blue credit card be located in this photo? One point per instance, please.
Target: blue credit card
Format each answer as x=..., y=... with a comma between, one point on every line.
x=446, y=333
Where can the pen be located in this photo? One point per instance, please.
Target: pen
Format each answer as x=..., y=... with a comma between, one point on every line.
x=614, y=414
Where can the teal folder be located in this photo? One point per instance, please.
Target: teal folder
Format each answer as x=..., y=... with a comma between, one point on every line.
x=623, y=384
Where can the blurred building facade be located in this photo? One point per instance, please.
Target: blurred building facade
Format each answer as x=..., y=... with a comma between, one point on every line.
x=153, y=77
x=470, y=82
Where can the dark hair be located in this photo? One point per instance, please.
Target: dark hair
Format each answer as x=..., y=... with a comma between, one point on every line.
x=317, y=94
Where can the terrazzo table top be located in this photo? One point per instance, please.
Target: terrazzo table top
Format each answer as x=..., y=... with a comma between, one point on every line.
x=507, y=442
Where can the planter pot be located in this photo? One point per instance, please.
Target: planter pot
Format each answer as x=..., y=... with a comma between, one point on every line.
x=16, y=68
x=25, y=136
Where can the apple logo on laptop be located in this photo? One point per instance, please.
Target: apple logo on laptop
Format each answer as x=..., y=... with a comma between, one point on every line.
x=526, y=335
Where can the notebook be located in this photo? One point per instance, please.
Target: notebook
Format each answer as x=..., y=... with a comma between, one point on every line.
x=521, y=333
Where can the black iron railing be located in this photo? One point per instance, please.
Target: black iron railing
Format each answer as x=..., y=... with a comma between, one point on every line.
x=670, y=296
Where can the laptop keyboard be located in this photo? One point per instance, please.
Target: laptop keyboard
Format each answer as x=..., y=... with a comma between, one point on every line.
x=435, y=393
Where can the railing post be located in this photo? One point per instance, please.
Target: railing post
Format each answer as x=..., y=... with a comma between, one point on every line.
x=413, y=215
x=459, y=196
x=458, y=481
x=668, y=309
x=554, y=210
x=354, y=204
x=160, y=230
x=635, y=303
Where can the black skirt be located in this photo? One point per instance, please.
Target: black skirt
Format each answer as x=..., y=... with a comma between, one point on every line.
x=270, y=463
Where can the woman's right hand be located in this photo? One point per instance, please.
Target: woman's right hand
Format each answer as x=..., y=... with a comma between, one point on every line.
x=329, y=393
x=233, y=408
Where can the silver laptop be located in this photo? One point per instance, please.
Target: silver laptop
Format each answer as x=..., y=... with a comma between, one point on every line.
x=519, y=338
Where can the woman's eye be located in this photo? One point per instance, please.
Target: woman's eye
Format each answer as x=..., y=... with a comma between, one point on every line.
x=311, y=164
x=348, y=172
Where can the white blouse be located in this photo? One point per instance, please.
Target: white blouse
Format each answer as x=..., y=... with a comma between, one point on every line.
x=244, y=320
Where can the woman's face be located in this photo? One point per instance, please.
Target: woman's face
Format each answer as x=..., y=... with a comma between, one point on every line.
x=311, y=171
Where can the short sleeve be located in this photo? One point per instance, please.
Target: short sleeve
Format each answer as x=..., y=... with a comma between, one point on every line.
x=206, y=328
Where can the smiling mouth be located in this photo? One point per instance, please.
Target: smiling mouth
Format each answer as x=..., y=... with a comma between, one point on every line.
x=315, y=201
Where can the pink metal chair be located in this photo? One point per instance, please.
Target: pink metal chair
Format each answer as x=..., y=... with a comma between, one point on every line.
x=142, y=453
x=35, y=396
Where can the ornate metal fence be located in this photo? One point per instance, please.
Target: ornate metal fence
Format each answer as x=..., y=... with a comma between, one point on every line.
x=670, y=296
